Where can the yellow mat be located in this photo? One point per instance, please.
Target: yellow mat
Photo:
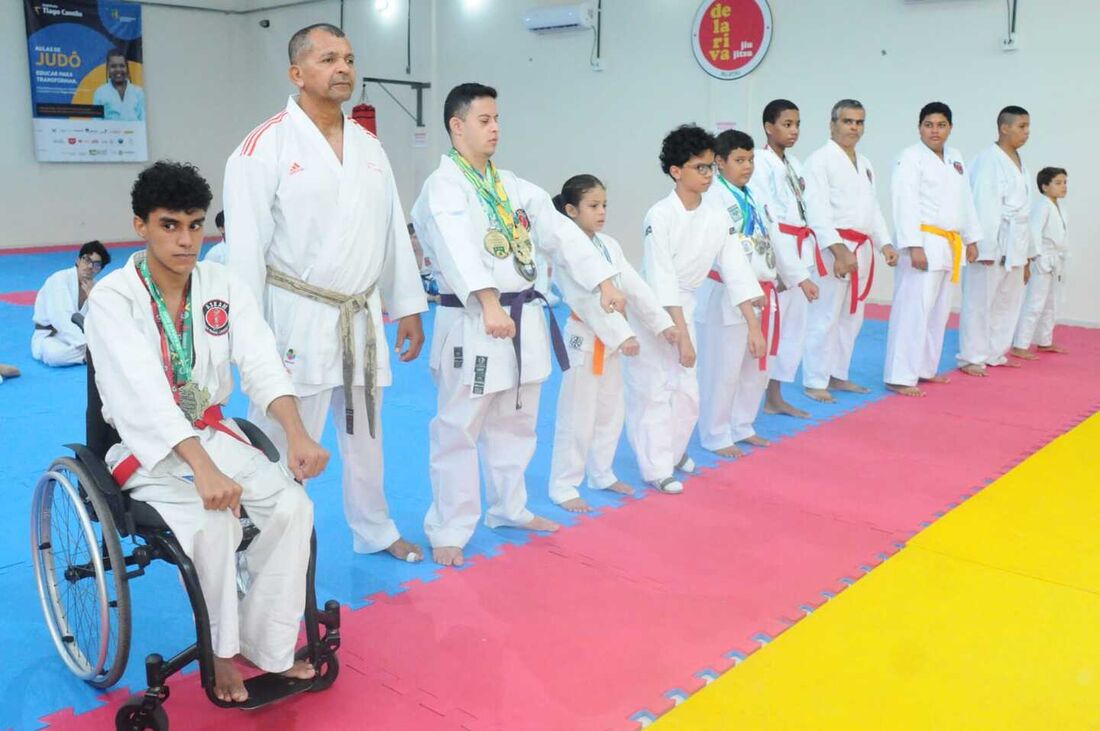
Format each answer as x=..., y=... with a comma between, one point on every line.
x=988, y=620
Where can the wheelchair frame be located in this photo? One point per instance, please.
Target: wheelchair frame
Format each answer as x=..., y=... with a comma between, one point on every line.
x=103, y=501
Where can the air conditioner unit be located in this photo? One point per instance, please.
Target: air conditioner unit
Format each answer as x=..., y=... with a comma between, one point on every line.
x=554, y=18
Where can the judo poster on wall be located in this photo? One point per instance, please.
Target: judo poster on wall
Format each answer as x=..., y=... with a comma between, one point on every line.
x=87, y=100
x=731, y=37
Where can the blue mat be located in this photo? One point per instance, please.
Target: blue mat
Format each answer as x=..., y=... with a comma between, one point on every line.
x=44, y=409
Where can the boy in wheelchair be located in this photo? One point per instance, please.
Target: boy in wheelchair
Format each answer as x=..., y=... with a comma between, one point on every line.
x=163, y=331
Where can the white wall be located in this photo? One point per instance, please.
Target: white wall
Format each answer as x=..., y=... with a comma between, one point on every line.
x=211, y=77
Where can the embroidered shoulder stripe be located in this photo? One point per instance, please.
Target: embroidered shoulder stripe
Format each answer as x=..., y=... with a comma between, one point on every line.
x=249, y=145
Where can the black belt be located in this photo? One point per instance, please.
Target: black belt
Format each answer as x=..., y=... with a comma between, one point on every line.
x=45, y=327
x=515, y=301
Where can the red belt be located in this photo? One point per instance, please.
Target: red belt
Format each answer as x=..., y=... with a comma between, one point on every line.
x=212, y=418
x=771, y=305
x=859, y=239
x=801, y=233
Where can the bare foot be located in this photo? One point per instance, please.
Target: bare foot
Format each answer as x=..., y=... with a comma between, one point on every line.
x=1010, y=364
x=820, y=394
x=620, y=487
x=541, y=524
x=937, y=379
x=756, y=441
x=1022, y=354
x=974, y=369
x=402, y=550
x=447, y=555
x=783, y=407
x=8, y=371
x=577, y=505
x=228, y=684
x=730, y=452
x=905, y=390
x=836, y=384
x=1051, y=349
x=300, y=670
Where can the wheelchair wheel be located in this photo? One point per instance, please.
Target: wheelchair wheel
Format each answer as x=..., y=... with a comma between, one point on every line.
x=81, y=573
x=131, y=717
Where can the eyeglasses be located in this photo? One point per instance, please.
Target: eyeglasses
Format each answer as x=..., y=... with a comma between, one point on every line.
x=95, y=264
x=704, y=169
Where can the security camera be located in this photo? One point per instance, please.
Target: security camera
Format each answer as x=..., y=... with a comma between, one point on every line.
x=265, y=23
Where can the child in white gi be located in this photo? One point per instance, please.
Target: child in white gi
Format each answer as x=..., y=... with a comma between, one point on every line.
x=590, y=404
x=732, y=382
x=1048, y=227
x=684, y=241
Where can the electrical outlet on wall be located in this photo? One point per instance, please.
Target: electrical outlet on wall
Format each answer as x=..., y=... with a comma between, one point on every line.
x=1010, y=43
x=599, y=65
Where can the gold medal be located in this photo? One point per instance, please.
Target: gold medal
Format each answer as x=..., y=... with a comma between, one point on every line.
x=193, y=401
x=496, y=243
x=522, y=248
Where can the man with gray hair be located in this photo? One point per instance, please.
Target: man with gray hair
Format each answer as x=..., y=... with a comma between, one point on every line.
x=315, y=226
x=846, y=181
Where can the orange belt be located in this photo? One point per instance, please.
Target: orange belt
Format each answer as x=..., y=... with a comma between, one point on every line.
x=801, y=233
x=859, y=239
x=955, y=239
x=212, y=418
x=597, y=350
x=771, y=311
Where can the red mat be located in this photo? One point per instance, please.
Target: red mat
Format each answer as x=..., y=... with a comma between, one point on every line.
x=621, y=613
x=19, y=298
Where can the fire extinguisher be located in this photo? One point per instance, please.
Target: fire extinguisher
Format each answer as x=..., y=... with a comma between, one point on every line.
x=366, y=116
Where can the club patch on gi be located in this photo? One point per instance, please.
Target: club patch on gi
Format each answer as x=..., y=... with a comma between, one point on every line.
x=958, y=167
x=576, y=342
x=458, y=357
x=802, y=184
x=870, y=178
x=215, y=317
x=524, y=220
x=648, y=231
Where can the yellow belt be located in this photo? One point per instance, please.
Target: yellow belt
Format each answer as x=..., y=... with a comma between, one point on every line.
x=955, y=239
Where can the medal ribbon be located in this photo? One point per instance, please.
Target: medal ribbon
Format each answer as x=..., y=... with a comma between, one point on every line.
x=745, y=203
x=176, y=342
x=796, y=188
x=492, y=193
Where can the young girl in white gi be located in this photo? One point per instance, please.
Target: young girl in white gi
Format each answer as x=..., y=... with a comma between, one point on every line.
x=590, y=404
x=1048, y=227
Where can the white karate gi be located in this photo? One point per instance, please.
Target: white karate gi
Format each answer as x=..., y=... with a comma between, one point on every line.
x=849, y=192
x=54, y=306
x=590, y=405
x=126, y=346
x=681, y=248
x=731, y=382
x=130, y=107
x=926, y=191
x=1048, y=226
x=994, y=293
x=476, y=374
x=774, y=179
x=291, y=204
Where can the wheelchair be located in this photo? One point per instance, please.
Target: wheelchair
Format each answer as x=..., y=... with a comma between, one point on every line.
x=78, y=517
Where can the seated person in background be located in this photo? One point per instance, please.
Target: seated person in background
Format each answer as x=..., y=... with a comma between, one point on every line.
x=8, y=371
x=56, y=340
x=219, y=252
x=163, y=331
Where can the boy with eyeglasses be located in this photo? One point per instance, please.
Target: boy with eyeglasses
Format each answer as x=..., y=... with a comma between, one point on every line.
x=684, y=241
x=57, y=341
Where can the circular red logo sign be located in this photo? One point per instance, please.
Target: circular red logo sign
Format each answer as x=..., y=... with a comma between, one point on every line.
x=730, y=37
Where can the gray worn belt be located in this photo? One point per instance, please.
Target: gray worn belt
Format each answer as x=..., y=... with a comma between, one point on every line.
x=348, y=306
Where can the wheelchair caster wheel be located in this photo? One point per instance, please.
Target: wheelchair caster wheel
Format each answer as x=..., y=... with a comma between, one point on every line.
x=132, y=717
x=326, y=674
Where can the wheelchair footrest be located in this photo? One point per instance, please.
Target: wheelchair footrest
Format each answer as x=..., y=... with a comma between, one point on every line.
x=268, y=688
